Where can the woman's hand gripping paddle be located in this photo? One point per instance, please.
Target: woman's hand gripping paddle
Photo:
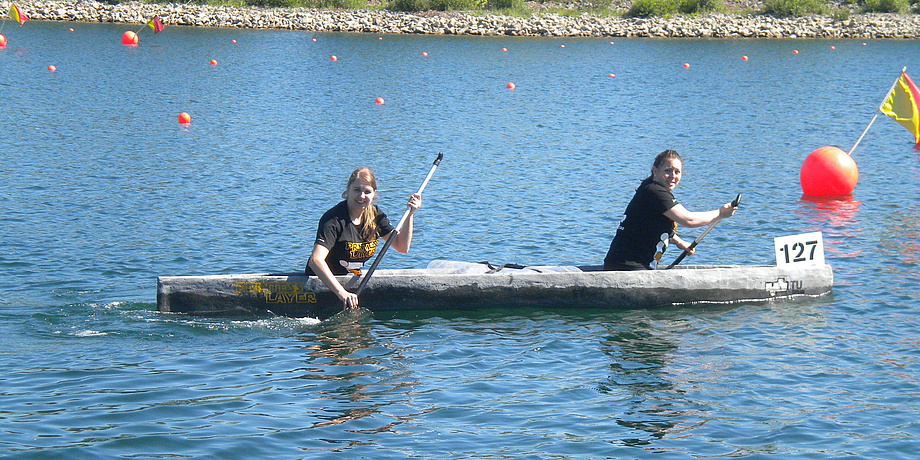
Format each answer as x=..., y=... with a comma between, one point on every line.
x=396, y=230
x=700, y=238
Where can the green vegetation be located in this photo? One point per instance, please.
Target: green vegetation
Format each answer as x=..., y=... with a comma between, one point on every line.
x=795, y=7
x=649, y=8
x=886, y=6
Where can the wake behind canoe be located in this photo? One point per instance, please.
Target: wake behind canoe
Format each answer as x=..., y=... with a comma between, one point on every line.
x=297, y=295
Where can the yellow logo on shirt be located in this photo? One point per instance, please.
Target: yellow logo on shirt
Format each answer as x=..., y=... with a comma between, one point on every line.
x=358, y=251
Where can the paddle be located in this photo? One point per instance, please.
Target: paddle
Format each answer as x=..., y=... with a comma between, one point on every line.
x=699, y=238
x=396, y=230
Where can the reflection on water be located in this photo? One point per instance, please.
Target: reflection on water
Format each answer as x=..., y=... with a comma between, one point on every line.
x=903, y=236
x=836, y=217
x=335, y=356
x=640, y=353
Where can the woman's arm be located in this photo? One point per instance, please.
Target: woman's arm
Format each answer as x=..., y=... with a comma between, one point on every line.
x=679, y=243
x=404, y=238
x=691, y=219
x=321, y=268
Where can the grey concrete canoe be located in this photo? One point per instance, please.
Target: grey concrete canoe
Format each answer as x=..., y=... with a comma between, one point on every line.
x=457, y=285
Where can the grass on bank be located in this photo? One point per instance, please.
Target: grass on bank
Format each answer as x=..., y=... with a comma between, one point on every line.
x=637, y=8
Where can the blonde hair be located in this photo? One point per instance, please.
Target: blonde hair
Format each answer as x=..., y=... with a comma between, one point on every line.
x=369, y=216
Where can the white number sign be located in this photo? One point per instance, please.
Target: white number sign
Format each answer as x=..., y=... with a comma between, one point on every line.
x=802, y=249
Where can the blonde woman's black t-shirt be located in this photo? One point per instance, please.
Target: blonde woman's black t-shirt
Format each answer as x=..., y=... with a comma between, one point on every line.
x=347, y=248
x=643, y=234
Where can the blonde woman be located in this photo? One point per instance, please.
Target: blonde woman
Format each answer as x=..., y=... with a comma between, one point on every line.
x=347, y=234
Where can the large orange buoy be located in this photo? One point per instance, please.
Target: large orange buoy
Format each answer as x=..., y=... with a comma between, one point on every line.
x=185, y=118
x=828, y=171
x=129, y=38
x=2, y=41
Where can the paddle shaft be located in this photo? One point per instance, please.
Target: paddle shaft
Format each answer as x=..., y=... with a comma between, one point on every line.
x=700, y=238
x=398, y=227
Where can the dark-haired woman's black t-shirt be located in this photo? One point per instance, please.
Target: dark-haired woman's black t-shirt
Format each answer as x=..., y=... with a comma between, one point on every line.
x=643, y=234
x=347, y=248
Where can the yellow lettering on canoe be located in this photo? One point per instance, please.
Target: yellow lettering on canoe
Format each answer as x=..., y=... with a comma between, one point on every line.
x=276, y=292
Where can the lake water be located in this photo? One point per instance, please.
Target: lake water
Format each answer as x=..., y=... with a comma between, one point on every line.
x=103, y=191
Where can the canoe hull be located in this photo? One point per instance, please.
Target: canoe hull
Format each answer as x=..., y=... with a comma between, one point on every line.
x=297, y=295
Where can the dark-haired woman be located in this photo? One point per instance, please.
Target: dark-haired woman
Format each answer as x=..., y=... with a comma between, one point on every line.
x=652, y=216
x=348, y=233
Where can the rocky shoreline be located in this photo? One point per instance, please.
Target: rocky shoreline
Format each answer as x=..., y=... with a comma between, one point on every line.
x=375, y=21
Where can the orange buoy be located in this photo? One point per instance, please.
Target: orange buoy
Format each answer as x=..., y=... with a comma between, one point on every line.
x=213, y=62
x=828, y=171
x=129, y=38
x=2, y=41
x=379, y=100
x=52, y=68
x=611, y=75
x=833, y=47
x=504, y=50
x=233, y=41
x=509, y=85
x=795, y=51
x=184, y=118
x=744, y=58
x=71, y=29
x=686, y=65
x=333, y=58
x=424, y=54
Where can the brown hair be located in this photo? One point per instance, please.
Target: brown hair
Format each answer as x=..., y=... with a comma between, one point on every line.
x=369, y=217
x=661, y=157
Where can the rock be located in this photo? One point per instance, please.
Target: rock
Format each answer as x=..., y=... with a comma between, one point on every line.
x=875, y=25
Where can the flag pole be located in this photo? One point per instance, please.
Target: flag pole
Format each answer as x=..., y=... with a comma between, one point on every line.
x=879, y=109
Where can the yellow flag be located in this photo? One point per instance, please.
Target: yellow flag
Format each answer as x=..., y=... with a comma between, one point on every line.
x=902, y=104
x=17, y=15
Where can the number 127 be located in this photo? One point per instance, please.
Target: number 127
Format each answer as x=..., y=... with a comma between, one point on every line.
x=800, y=251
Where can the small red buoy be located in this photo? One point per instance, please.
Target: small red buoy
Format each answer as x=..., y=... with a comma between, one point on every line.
x=611, y=75
x=314, y=39
x=213, y=62
x=744, y=58
x=833, y=47
x=129, y=38
x=509, y=85
x=2, y=41
x=379, y=100
x=233, y=41
x=184, y=118
x=71, y=29
x=686, y=65
x=333, y=58
x=828, y=171
x=611, y=43
x=504, y=50
x=795, y=51
x=424, y=54
x=562, y=46
x=52, y=68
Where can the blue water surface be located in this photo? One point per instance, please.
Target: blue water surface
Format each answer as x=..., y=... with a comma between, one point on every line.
x=103, y=191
